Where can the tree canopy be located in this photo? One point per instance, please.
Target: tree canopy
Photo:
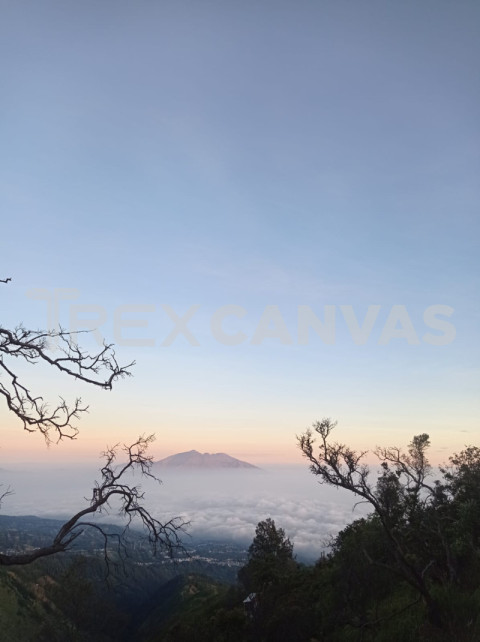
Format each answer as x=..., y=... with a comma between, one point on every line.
x=270, y=542
x=428, y=528
x=270, y=557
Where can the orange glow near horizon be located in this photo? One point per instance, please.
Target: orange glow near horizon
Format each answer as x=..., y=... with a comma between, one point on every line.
x=257, y=445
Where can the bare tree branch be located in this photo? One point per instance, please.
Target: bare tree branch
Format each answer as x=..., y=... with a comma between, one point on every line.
x=337, y=465
x=6, y=493
x=162, y=536
x=413, y=466
x=99, y=368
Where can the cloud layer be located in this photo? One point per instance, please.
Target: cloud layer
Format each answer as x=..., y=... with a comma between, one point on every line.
x=223, y=505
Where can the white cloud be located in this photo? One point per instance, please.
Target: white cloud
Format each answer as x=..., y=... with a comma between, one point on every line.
x=219, y=505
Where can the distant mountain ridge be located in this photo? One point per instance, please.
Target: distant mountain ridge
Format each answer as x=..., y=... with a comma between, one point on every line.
x=194, y=459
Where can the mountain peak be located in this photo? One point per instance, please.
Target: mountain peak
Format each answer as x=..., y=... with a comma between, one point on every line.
x=195, y=459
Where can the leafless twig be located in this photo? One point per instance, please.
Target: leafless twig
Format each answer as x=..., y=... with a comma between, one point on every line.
x=164, y=536
x=99, y=368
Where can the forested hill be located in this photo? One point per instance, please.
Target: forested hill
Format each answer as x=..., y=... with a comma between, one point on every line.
x=76, y=592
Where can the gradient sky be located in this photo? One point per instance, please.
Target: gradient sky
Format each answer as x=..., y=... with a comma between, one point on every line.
x=254, y=154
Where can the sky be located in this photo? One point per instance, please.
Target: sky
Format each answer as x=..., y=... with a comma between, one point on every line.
x=313, y=166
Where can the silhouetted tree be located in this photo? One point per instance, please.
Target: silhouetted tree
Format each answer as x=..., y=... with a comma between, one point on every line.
x=60, y=350
x=270, y=557
x=399, y=497
x=112, y=487
x=270, y=542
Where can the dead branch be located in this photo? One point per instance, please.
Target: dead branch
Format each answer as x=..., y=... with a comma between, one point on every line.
x=99, y=369
x=161, y=536
x=337, y=465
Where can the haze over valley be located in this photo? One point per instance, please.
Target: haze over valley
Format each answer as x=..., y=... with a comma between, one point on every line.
x=220, y=504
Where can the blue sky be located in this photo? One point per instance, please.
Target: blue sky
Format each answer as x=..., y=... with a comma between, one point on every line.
x=274, y=153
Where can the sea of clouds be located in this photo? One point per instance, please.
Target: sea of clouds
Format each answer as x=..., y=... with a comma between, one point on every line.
x=225, y=505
